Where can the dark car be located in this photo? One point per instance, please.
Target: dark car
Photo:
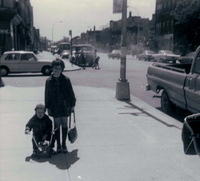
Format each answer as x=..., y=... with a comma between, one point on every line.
x=83, y=50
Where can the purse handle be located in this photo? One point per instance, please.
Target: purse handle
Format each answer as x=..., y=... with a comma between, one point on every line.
x=70, y=119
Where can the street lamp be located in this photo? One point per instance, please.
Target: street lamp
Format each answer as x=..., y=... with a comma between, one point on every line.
x=52, y=31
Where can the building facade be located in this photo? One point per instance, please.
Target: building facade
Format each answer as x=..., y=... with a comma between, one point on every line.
x=164, y=23
x=16, y=25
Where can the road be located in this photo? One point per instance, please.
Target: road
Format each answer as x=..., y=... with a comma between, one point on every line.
x=106, y=77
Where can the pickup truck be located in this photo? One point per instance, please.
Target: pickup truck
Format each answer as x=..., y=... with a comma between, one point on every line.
x=179, y=84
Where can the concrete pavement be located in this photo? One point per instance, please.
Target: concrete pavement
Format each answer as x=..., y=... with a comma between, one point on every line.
x=117, y=141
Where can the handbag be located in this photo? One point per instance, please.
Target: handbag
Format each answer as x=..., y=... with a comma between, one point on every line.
x=72, y=133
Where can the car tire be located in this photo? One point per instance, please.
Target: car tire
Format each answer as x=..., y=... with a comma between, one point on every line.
x=166, y=105
x=4, y=71
x=46, y=70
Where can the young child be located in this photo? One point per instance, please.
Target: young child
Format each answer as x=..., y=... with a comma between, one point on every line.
x=41, y=125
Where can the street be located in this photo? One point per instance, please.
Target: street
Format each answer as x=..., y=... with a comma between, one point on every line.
x=106, y=77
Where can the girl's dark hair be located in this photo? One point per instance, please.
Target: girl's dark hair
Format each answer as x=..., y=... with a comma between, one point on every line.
x=58, y=62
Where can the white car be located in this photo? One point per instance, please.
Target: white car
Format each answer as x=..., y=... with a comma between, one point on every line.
x=147, y=55
x=165, y=56
x=23, y=62
x=115, y=54
x=65, y=54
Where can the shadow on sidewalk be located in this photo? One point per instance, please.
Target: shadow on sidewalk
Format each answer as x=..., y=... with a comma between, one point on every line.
x=142, y=111
x=64, y=161
x=61, y=161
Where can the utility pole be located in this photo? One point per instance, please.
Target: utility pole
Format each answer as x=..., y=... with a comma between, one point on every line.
x=70, y=34
x=122, y=86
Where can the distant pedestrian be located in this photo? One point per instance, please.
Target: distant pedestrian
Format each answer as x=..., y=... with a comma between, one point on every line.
x=59, y=101
x=41, y=125
x=96, y=63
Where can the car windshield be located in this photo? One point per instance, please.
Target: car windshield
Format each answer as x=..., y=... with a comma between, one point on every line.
x=64, y=46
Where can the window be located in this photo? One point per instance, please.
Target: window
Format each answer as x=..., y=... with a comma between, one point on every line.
x=12, y=57
x=197, y=65
x=28, y=57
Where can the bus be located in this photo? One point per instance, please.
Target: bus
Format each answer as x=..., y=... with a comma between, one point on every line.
x=64, y=46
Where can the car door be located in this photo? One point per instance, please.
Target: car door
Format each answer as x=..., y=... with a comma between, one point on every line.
x=29, y=62
x=192, y=87
x=12, y=61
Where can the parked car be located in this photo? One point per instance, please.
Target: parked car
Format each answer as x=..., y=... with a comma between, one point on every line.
x=22, y=62
x=179, y=84
x=165, y=56
x=115, y=54
x=53, y=49
x=147, y=55
x=187, y=58
x=88, y=51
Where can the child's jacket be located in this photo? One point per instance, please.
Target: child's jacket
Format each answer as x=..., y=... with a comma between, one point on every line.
x=40, y=127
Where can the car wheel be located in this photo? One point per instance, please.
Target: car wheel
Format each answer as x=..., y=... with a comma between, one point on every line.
x=166, y=104
x=4, y=71
x=46, y=70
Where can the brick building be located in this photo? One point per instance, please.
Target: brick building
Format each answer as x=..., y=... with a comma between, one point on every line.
x=138, y=32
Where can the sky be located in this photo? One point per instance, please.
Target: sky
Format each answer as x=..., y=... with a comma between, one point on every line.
x=55, y=18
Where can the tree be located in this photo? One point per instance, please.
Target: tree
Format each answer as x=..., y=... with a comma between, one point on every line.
x=187, y=25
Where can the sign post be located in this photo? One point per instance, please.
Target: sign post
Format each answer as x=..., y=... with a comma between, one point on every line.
x=122, y=86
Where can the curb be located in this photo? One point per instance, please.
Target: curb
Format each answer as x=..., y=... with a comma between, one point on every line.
x=72, y=70
x=154, y=113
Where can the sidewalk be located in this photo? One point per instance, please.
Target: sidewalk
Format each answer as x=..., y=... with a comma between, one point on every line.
x=117, y=141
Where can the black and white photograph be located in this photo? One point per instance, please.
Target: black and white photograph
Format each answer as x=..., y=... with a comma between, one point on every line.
x=105, y=90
